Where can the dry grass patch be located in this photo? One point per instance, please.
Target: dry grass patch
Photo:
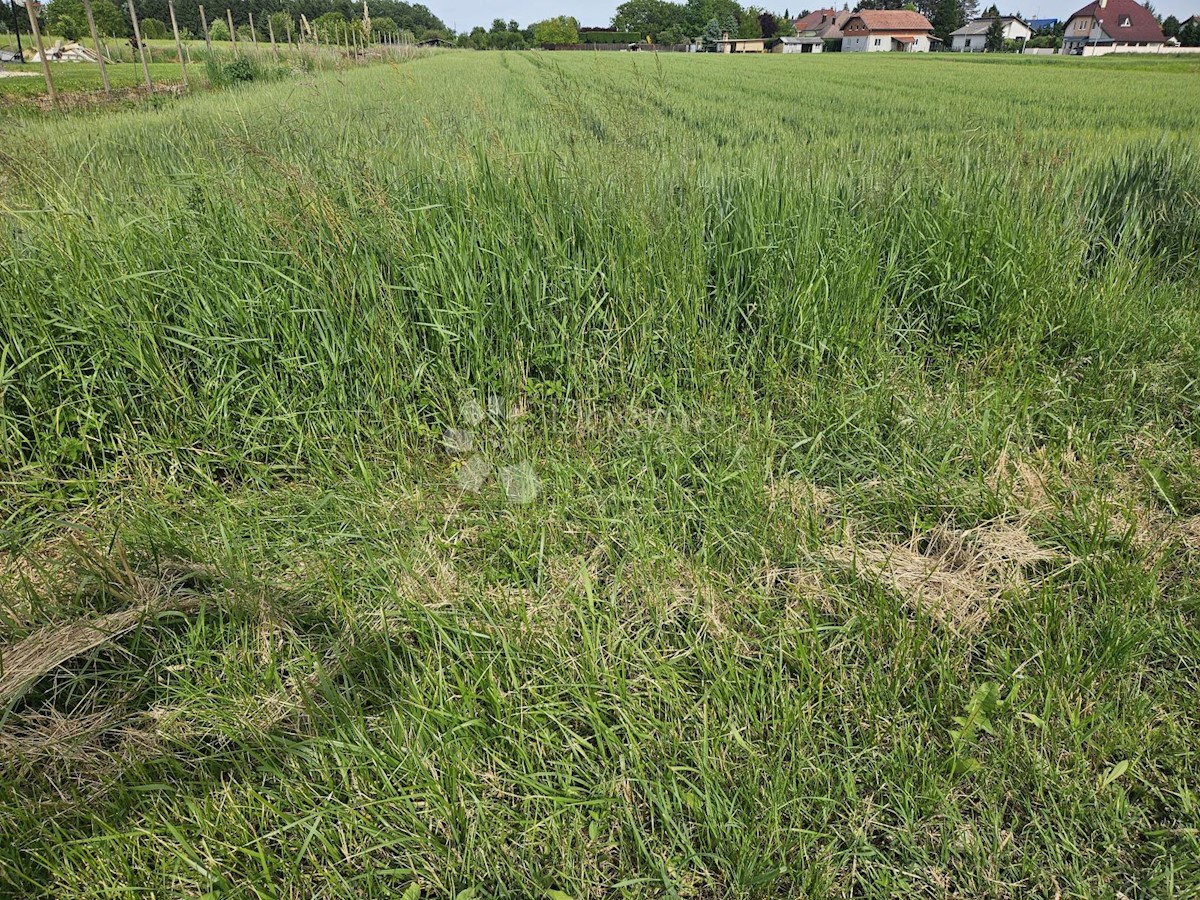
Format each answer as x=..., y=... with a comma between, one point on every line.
x=170, y=589
x=1026, y=480
x=958, y=577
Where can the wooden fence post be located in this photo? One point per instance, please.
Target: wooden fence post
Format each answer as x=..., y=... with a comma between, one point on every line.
x=232, y=33
x=204, y=27
x=289, y=31
x=253, y=33
x=178, y=43
x=137, y=36
x=271, y=33
x=37, y=37
x=87, y=8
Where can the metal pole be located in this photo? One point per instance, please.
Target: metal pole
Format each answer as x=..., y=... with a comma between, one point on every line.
x=87, y=8
x=37, y=37
x=137, y=36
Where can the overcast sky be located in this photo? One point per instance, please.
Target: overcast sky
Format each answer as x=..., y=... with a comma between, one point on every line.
x=463, y=15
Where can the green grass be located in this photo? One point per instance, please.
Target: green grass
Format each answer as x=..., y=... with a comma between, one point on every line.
x=861, y=393
x=70, y=77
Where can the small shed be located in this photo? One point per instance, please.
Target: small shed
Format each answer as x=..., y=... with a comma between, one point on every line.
x=805, y=44
x=741, y=45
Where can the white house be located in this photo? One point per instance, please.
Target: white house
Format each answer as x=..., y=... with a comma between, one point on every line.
x=972, y=37
x=879, y=30
x=1111, y=26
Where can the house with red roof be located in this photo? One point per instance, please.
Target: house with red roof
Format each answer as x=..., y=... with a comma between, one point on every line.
x=823, y=23
x=815, y=31
x=1112, y=26
x=875, y=30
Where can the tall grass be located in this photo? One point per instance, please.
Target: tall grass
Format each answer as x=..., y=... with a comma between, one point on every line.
x=497, y=247
x=764, y=328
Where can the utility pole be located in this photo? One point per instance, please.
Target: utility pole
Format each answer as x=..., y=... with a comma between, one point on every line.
x=17, y=28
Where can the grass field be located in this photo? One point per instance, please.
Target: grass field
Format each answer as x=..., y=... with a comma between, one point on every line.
x=600, y=475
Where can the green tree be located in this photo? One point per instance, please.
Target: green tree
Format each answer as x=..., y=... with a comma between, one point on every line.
x=109, y=20
x=559, y=30
x=947, y=16
x=992, y=12
x=282, y=24
x=218, y=30
x=1170, y=26
x=993, y=41
x=384, y=26
x=330, y=27
x=1189, y=35
x=1046, y=40
x=67, y=19
x=749, y=26
x=712, y=34
x=63, y=17
x=649, y=16
x=69, y=28
x=507, y=40
x=700, y=12
x=154, y=29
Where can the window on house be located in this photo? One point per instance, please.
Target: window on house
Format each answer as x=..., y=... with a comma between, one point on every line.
x=968, y=42
x=1125, y=21
x=876, y=42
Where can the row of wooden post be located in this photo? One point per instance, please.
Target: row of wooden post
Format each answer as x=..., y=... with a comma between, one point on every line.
x=347, y=36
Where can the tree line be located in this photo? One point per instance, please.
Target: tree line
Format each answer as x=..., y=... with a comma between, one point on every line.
x=66, y=18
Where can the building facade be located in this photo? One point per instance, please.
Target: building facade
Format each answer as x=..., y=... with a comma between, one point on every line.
x=886, y=30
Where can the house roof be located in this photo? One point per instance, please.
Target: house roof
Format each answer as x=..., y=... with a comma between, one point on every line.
x=1111, y=13
x=981, y=26
x=819, y=17
x=891, y=20
x=823, y=22
x=805, y=39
